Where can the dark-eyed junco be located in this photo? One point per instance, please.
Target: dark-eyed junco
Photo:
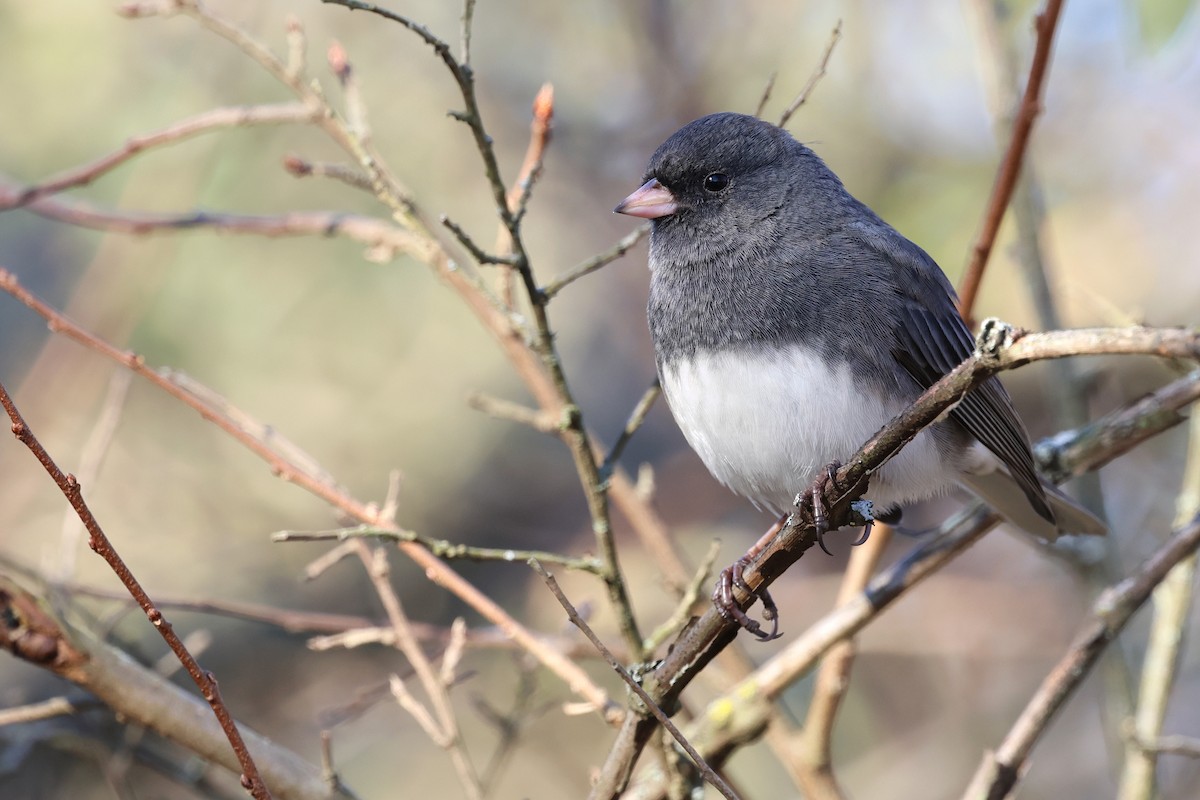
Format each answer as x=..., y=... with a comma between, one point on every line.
x=791, y=323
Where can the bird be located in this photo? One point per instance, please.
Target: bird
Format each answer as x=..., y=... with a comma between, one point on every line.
x=790, y=323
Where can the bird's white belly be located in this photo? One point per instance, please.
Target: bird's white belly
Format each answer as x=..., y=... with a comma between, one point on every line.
x=766, y=423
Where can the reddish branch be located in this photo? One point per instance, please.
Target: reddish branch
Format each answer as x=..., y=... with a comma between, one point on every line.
x=217, y=118
x=435, y=569
x=1010, y=167
x=205, y=680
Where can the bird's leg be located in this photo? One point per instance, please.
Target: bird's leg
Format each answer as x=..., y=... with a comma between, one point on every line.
x=732, y=576
x=820, y=516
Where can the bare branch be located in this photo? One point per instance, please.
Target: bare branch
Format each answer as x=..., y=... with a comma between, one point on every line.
x=813, y=79
x=539, y=420
x=636, y=418
x=766, y=95
x=435, y=569
x=709, y=774
x=1010, y=166
x=216, y=119
x=998, y=348
x=205, y=681
x=1172, y=603
x=833, y=677
x=440, y=547
x=999, y=772
x=596, y=262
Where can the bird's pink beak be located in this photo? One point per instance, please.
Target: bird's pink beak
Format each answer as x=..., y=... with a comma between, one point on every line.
x=651, y=201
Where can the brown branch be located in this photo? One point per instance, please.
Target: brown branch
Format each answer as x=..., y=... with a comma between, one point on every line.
x=442, y=548
x=1010, y=166
x=302, y=168
x=445, y=731
x=527, y=175
x=999, y=772
x=384, y=238
x=743, y=710
x=41, y=632
x=1172, y=604
x=998, y=348
x=575, y=435
x=766, y=94
x=318, y=484
x=205, y=681
x=596, y=262
x=499, y=408
x=636, y=418
x=813, y=79
x=217, y=118
x=648, y=704
x=833, y=678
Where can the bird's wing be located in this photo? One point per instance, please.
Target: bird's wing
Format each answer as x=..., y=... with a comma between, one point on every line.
x=932, y=339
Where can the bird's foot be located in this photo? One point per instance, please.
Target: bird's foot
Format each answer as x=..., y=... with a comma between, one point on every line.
x=732, y=576
x=820, y=513
x=727, y=606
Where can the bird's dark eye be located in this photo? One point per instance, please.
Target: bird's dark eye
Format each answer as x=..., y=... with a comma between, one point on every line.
x=716, y=182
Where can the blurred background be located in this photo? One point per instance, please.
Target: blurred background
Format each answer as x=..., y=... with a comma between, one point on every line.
x=366, y=365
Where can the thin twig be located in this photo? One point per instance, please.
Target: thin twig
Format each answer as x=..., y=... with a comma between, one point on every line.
x=445, y=731
x=1000, y=771
x=302, y=168
x=499, y=408
x=475, y=250
x=46, y=709
x=356, y=110
x=683, y=609
x=709, y=774
x=833, y=678
x=531, y=169
x=1172, y=603
x=297, y=43
x=90, y=461
x=766, y=94
x=216, y=119
x=317, y=483
x=441, y=547
x=636, y=418
x=205, y=681
x=1010, y=166
x=813, y=79
x=1187, y=746
x=596, y=262
x=468, y=19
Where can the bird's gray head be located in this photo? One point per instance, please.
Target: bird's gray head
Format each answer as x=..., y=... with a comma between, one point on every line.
x=722, y=181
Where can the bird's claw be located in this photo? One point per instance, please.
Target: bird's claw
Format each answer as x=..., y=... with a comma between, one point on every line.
x=727, y=607
x=820, y=514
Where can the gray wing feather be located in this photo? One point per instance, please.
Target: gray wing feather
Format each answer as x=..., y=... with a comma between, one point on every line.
x=933, y=339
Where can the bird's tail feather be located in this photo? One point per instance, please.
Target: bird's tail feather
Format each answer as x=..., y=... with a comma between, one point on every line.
x=998, y=489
